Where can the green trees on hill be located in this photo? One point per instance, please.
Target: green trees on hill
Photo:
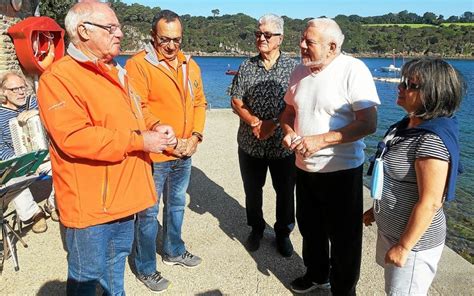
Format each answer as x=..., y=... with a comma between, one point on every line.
x=233, y=34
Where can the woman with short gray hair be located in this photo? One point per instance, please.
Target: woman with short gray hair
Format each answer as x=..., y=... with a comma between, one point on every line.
x=420, y=166
x=257, y=98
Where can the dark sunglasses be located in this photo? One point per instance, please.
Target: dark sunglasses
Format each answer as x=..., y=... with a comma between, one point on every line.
x=267, y=35
x=406, y=84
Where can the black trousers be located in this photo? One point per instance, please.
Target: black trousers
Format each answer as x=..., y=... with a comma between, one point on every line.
x=329, y=211
x=254, y=173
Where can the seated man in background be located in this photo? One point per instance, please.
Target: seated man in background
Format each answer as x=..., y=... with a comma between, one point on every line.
x=15, y=103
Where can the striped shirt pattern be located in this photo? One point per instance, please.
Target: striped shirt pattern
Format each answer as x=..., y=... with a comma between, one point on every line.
x=6, y=145
x=400, y=189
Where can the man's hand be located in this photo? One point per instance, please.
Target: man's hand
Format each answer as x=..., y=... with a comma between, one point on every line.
x=168, y=131
x=308, y=145
x=191, y=146
x=289, y=138
x=397, y=255
x=267, y=129
x=180, y=148
x=156, y=142
x=256, y=129
x=25, y=115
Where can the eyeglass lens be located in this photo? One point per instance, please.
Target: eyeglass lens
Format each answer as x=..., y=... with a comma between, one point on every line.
x=17, y=89
x=166, y=40
x=406, y=84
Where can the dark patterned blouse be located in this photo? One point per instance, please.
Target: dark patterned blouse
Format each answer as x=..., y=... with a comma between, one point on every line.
x=262, y=91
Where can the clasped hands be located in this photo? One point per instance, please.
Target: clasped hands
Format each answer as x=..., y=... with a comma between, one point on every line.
x=162, y=138
x=185, y=147
x=305, y=146
x=264, y=129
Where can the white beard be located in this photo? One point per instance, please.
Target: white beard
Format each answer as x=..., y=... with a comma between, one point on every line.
x=311, y=64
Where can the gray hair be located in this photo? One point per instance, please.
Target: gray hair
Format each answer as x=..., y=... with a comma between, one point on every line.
x=3, y=80
x=330, y=29
x=273, y=19
x=7, y=75
x=79, y=13
x=441, y=86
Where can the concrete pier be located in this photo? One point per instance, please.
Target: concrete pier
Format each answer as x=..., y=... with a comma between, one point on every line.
x=215, y=229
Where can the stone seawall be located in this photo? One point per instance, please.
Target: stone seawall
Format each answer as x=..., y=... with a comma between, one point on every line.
x=8, y=60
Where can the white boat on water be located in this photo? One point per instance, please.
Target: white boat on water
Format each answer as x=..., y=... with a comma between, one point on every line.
x=390, y=68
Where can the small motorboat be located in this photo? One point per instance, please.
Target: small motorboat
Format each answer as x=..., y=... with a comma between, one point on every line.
x=390, y=68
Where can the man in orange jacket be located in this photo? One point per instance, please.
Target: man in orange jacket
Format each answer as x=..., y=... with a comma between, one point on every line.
x=171, y=87
x=99, y=149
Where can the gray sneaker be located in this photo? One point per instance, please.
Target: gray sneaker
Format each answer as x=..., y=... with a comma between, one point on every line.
x=154, y=282
x=187, y=260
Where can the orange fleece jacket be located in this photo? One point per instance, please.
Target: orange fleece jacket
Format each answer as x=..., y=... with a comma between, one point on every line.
x=100, y=172
x=183, y=108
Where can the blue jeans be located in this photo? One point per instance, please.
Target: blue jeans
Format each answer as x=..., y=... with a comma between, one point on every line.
x=97, y=254
x=171, y=181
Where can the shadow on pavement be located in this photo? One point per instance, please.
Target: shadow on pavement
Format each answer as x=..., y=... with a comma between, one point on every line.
x=207, y=196
x=52, y=288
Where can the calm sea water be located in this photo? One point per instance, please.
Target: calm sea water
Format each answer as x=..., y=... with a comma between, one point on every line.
x=459, y=212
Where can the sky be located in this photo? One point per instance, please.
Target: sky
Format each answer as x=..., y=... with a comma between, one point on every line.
x=311, y=8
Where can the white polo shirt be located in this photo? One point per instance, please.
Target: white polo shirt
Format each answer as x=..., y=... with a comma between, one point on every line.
x=326, y=101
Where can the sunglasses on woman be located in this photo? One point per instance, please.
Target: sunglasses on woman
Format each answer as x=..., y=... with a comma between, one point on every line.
x=406, y=84
x=267, y=35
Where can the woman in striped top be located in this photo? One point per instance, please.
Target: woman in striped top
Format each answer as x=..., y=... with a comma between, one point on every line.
x=420, y=168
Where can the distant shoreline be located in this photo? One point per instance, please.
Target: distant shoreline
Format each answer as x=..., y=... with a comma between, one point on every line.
x=292, y=54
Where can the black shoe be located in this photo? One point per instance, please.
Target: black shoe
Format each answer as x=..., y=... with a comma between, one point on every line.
x=284, y=246
x=253, y=241
x=304, y=284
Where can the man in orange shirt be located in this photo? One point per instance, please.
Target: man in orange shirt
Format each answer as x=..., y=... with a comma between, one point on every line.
x=171, y=87
x=99, y=149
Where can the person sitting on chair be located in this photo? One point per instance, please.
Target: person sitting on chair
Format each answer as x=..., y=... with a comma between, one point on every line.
x=15, y=103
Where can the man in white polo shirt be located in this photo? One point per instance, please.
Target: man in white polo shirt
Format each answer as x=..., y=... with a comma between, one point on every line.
x=331, y=105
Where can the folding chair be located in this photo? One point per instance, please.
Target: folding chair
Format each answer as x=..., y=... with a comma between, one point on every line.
x=20, y=170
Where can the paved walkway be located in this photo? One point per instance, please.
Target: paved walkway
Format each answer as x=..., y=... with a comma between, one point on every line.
x=215, y=229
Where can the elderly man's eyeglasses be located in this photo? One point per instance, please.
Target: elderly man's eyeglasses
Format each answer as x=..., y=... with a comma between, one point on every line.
x=406, y=84
x=109, y=28
x=267, y=35
x=17, y=90
x=309, y=41
x=165, y=40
